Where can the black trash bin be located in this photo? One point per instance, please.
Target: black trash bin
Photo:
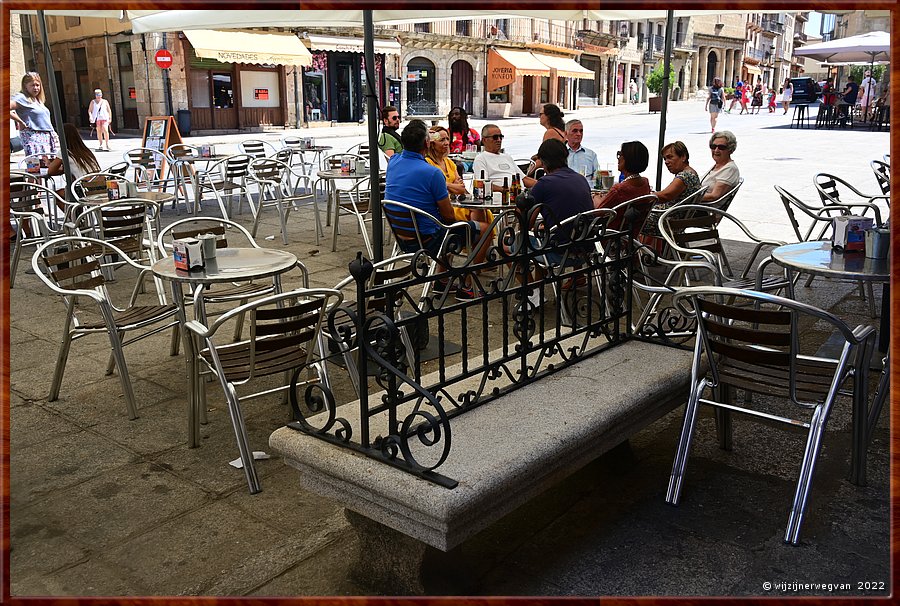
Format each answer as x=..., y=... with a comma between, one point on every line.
x=184, y=121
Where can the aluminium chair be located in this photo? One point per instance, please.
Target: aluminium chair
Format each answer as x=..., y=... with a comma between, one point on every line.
x=882, y=172
x=692, y=233
x=257, y=148
x=225, y=178
x=149, y=167
x=182, y=171
x=285, y=339
x=756, y=345
x=277, y=189
x=71, y=267
x=834, y=191
x=96, y=184
x=26, y=209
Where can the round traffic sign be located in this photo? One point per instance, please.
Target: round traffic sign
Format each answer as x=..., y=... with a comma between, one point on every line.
x=163, y=58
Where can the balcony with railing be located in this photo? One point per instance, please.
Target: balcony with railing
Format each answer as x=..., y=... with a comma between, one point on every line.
x=773, y=27
x=754, y=56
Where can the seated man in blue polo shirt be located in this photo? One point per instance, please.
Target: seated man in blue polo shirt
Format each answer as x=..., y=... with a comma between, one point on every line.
x=412, y=180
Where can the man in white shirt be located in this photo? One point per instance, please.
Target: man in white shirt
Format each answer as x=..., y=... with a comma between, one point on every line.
x=494, y=163
x=581, y=159
x=867, y=92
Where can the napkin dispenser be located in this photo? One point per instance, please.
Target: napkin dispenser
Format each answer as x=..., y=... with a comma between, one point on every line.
x=850, y=232
x=187, y=253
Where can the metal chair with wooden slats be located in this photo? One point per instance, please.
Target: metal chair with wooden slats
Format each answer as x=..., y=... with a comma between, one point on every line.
x=226, y=177
x=257, y=148
x=277, y=188
x=692, y=231
x=882, y=172
x=130, y=224
x=835, y=191
x=387, y=271
x=227, y=233
x=71, y=267
x=26, y=208
x=182, y=171
x=756, y=345
x=149, y=168
x=285, y=339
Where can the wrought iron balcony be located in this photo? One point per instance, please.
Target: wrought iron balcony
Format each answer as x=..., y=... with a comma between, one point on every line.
x=773, y=26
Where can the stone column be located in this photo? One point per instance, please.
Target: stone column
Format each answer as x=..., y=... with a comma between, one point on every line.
x=728, y=67
x=704, y=56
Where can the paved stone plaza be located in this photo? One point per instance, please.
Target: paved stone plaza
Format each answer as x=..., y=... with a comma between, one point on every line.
x=104, y=506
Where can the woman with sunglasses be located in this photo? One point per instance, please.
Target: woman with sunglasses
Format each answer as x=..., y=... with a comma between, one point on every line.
x=724, y=175
x=32, y=117
x=437, y=154
x=632, y=159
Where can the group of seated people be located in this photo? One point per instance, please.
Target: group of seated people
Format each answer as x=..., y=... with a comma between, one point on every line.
x=424, y=177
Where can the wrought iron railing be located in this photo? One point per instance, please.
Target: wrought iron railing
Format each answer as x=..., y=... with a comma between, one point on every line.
x=502, y=341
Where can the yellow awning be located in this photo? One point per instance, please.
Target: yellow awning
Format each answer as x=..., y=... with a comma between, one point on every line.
x=565, y=67
x=524, y=62
x=352, y=45
x=753, y=69
x=244, y=47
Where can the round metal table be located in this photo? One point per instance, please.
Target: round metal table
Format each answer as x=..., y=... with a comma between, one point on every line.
x=331, y=176
x=229, y=265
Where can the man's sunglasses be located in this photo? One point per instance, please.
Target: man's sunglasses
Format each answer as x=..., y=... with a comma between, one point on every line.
x=495, y=137
x=720, y=147
x=392, y=118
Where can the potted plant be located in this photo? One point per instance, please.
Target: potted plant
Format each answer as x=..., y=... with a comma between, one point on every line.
x=655, y=85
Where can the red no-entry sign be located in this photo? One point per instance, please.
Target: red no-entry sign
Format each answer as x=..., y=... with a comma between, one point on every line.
x=163, y=58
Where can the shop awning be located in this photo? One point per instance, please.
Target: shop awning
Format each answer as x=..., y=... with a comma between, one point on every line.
x=565, y=67
x=352, y=45
x=243, y=47
x=753, y=69
x=524, y=62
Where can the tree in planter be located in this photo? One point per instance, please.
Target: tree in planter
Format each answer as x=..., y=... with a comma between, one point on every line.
x=655, y=85
x=655, y=78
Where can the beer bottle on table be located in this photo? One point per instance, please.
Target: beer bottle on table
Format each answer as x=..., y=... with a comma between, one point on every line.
x=487, y=192
x=504, y=195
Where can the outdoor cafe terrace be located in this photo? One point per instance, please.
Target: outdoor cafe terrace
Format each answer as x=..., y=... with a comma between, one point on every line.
x=105, y=504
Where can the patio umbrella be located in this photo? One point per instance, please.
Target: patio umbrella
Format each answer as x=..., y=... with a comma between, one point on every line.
x=858, y=50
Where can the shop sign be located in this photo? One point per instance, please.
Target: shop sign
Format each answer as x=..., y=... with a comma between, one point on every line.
x=261, y=94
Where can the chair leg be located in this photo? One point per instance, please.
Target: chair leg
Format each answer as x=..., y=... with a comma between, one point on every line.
x=115, y=340
x=673, y=494
x=176, y=340
x=61, y=359
x=801, y=496
x=17, y=252
x=724, y=429
x=282, y=218
x=240, y=434
x=870, y=293
x=239, y=323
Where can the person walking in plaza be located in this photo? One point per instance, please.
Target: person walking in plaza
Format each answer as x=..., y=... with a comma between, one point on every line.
x=389, y=139
x=715, y=101
x=757, y=97
x=461, y=135
x=581, y=159
x=771, y=100
x=787, y=93
x=724, y=175
x=632, y=159
x=32, y=117
x=737, y=97
x=633, y=91
x=100, y=113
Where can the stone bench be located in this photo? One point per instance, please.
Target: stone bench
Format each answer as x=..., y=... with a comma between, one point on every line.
x=504, y=453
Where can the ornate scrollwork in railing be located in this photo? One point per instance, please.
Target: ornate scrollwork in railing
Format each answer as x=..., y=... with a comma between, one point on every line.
x=582, y=281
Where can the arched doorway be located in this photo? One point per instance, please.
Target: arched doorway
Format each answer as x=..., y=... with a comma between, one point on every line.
x=712, y=63
x=420, y=79
x=461, y=85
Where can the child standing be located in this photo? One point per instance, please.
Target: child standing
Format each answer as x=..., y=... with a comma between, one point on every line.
x=771, y=100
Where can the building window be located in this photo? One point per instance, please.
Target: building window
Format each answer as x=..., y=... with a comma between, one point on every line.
x=420, y=87
x=463, y=28
x=73, y=22
x=501, y=95
x=423, y=28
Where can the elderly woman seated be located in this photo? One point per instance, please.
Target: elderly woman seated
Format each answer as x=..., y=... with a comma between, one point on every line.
x=724, y=175
x=685, y=183
x=633, y=159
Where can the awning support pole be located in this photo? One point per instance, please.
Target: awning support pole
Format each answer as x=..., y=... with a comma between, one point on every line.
x=670, y=19
x=373, y=113
x=57, y=108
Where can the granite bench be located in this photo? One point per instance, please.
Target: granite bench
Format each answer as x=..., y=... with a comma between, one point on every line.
x=504, y=453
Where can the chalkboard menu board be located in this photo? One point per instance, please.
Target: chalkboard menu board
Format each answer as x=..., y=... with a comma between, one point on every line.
x=160, y=132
